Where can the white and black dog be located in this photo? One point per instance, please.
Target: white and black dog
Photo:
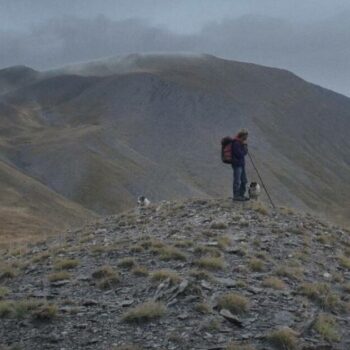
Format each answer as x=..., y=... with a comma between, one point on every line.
x=142, y=202
x=254, y=190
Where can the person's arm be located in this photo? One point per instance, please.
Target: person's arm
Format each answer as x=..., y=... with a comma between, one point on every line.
x=239, y=150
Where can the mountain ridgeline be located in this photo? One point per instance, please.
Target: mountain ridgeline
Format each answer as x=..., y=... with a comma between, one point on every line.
x=90, y=138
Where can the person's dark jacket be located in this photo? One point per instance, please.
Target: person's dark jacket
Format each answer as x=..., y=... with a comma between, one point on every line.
x=239, y=151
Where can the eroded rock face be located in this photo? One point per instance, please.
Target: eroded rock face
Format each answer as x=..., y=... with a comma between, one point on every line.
x=163, y=278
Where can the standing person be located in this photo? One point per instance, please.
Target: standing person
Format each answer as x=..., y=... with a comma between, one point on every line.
x=239, y=151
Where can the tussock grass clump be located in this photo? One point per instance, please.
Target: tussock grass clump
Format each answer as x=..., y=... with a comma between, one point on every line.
x=203, y=249
x=104, y=271
x=4, y=291
x=108, y=282
x=237, y=346
x=287, y=211
x=25, y=307
x=259, y=207
x=66, y=264
x=201, y=275
x=45, y=312
x=274, y=283
x=326, y=326
x=162, y=275
x=98, y=248
x=211, y=325
x=145, y=312
x=152, y=243
x=106, y=277
x=127, y=263
x=167, y=253
x=322, y=294
x=6, y=308
x=59, y=276
x=183, y=243
x=140, y=271
x=256, y=265
x=236, y=303
x=203, y=308
x=323, y=239
x=41, y=257
x=211, y=263
x=344, y=262
x=7, y=271
x=224, y=241
x=137, y=248
x=218, y=225
x=291, y=272
x=284, y=338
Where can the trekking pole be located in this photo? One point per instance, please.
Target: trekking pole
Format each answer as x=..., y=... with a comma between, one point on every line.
x=262, y=182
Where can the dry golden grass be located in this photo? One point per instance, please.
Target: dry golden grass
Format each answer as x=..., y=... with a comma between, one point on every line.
x=203, y=249
x=4, y=291
x=106, y=277
x=137, y=248
x=127, y=263
x=7, y=271
x=201, y=275
x=140, y=271
x=218, y=225
x=256, y=265
x=210, y=263
x=45, y=312
x=59, y=276
x=203, y=308
x=161, y=275
x=294, y=273
x=65, y=264
x=274, y=283
x=284, y=338
x=145, y=312
x=326, y=326
x=183, y=243
x=259, y=207
x=104, y=271
x=169, y=252
x=6, y=308
x=322, y=294
x=28, y=307
x=224, y=241
x=236, y=303
x=41, y=257
x=344, y=262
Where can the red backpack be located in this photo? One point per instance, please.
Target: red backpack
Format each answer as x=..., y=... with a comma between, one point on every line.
x=226, y=150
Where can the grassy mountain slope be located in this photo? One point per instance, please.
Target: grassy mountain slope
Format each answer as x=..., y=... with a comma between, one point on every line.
x=29, y=207
x=102, y=133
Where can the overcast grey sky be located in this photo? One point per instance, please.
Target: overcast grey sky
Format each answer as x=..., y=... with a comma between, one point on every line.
x=309, y=37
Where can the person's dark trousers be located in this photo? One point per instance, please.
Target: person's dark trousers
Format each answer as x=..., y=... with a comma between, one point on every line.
x=239, y=181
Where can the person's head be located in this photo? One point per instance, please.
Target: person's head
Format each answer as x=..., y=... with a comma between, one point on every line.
x=242, y=134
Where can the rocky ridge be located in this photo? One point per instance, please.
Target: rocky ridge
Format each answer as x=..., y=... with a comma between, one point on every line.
x=198, y=274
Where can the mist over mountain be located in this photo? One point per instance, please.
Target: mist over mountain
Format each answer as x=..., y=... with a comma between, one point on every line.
x=317, y=50
x=97, y=135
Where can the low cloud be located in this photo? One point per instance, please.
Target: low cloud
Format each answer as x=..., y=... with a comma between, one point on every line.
x=318, y=51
